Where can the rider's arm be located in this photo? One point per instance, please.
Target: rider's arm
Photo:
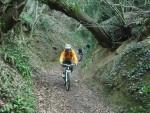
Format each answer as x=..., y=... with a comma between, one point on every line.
x=75, y=59
x=61, y=57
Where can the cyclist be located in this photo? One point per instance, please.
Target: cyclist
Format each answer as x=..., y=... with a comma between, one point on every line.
x=80, y=52
x=68, y=56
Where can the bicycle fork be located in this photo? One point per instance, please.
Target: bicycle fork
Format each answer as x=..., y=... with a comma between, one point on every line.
x=67, y=74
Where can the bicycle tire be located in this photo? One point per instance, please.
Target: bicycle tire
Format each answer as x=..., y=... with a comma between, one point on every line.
x=67, y=82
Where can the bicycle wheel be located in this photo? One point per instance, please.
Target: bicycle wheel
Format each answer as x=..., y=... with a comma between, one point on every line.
x=67, y=81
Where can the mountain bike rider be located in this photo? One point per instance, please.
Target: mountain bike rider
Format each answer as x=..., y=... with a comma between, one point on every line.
x=68, y=56
x=80, y=52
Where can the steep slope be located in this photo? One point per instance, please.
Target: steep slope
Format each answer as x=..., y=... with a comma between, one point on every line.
x=122, y=75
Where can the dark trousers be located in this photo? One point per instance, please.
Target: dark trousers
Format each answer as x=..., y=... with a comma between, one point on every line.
x=67, y=62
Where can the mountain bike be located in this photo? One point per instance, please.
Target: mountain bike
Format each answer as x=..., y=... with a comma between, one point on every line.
x=67, y=75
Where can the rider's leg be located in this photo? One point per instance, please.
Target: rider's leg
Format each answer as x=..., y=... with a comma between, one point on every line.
x=63, y=67
x=63, y=71
x=71, y=69
x=66, y=62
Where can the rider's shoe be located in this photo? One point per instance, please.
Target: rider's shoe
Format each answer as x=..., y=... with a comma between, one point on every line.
x=63, y=75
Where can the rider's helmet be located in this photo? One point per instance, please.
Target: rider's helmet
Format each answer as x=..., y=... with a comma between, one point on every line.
x=68, y=47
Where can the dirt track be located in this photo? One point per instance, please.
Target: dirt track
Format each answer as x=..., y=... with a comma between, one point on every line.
x=53, y=98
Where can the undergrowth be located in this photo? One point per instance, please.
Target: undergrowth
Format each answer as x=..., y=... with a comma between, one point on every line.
x=16, y=91
x=15, y=56
x=130, y=75
x=124, y=79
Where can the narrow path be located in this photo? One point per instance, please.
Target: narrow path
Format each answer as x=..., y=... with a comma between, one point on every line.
x=53, y=98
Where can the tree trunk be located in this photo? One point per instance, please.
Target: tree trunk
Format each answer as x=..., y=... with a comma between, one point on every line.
x=9, y=14
x=101, y=36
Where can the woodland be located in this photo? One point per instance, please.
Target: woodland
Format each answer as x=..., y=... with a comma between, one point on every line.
x=114, y=36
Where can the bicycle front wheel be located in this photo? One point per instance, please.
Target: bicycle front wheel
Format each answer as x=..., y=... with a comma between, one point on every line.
x=67, y=81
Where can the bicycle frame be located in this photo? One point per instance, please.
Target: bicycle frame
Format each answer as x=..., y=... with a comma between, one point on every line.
x=67, y=75
x=67, y=71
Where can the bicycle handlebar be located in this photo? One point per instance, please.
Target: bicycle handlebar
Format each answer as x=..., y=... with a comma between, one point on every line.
x=68, y=65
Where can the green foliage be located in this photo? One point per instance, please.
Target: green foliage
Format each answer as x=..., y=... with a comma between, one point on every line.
x=15, y=92
x=139, y=109
x=5, y=83
x=129, y=73
x=134, y=60
x=145, y=89
x=18, y=105
x=16, y=57
x=1, y=23
x=125, y=76
x=74, y=5
x=45, y=24
x=100, y=11
x=25, y=17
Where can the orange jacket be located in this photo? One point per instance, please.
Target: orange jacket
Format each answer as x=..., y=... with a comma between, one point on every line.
x=69, y=56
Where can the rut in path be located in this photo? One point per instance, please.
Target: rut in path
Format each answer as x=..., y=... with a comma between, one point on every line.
x=53, y=98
